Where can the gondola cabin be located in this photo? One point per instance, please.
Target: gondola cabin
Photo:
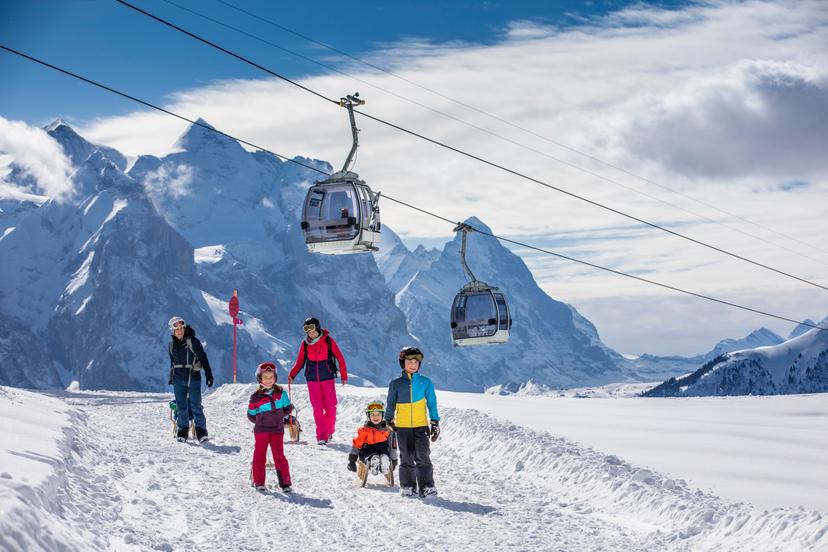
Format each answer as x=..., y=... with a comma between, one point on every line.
x=341, y=216
x=479, y=316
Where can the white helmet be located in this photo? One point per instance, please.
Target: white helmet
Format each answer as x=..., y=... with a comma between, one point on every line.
x=176, y=321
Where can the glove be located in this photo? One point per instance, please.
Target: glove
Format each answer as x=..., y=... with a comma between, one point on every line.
x=289, y=419
x=393, y=465
x=209, y=380
x=352, y=462
x=435, y=430
x=392, y=425
x=169, y=382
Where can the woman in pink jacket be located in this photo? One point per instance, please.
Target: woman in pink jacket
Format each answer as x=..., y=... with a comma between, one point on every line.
x=320, y=355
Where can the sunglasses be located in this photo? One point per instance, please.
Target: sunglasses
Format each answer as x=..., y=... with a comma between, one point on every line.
x=309, y=328
x=418, y=358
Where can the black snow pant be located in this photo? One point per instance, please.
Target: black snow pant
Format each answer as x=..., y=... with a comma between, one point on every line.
x=415, y=457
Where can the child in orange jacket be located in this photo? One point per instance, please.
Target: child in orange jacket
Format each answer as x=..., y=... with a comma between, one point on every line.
x=375, y=438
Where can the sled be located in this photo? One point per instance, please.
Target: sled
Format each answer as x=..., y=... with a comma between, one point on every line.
x=269, y=466
x=363, y=470
x=173, y=415
x=294, y=429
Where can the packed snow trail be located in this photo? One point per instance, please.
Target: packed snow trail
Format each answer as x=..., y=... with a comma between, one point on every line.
x=129, y=486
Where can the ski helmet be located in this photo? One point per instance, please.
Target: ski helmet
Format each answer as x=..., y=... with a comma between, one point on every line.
x=176, y=322
x=375, y=406
x=311, y=324
x=410, y=352
x=266, y=367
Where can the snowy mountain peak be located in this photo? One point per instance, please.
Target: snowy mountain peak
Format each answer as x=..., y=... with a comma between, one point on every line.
x=202, y=137
x=762, y=337
x=55, y=124
x=77, y=148
x=802, y=328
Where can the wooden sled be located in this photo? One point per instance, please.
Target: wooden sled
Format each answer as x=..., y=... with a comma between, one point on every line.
x=363, y=471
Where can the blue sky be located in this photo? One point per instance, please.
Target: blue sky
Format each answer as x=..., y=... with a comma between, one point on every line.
x=109, y=42
x=716, y=112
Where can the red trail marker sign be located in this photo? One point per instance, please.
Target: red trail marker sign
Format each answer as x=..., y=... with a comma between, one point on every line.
x=233, y=309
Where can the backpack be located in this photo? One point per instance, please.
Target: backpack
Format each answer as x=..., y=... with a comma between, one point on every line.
x=196, y=361
x=331, y=358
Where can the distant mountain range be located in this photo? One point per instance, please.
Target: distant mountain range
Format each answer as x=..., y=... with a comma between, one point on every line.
x=797, y=365
x=89, y=283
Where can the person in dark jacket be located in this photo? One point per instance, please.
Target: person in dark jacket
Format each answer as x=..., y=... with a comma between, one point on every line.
x=268, y=408
x=319, y=355
x=412, y=413
x=187, y=361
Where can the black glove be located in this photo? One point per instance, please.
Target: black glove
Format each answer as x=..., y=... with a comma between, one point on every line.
x=392, y=425
x=435, y=430
x=393, y=465
x=169, y=382
x=352, y=462
x=209, y=380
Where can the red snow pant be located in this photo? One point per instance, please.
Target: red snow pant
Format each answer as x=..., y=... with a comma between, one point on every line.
x=323, y=400
x=277, y=449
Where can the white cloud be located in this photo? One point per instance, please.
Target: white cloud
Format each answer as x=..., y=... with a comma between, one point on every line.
x=43, y=165
x=630, y=88
x=763, y=118
x=172, y=181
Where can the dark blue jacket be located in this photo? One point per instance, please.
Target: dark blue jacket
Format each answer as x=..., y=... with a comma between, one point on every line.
x=181, y=358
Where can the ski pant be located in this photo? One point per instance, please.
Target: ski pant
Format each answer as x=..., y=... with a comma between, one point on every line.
x=323, y=400
x=415, y=457
x=188, y=399
x=277, y=449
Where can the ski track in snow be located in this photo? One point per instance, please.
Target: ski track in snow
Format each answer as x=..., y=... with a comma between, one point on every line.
x=129, y=486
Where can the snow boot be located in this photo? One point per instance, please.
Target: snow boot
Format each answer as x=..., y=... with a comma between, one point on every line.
x=428, y=492
x=201, y=434
x=321, y=442
x=408, y=491
x=286, y=489
x=261, y=488
x=181, y=436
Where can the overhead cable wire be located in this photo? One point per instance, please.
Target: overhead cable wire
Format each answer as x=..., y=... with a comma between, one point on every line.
x=156, y=107
x=476, y=127
x=409, y=205
x=476, y=157
x=526, y=130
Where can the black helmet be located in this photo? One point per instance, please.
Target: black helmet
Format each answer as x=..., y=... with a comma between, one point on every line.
x=410, y=352
x=311, y=322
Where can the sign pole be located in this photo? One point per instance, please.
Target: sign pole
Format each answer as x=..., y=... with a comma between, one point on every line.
x=233, y=308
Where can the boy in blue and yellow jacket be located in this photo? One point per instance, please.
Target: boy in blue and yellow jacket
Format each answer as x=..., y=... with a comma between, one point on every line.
x=268, y=408
x=412, y=411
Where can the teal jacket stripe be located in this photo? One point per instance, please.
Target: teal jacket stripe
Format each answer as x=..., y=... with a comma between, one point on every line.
x=281, y=403
x=423, y=388
x=405, y=391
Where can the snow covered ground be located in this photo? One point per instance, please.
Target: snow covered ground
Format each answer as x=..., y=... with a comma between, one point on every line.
x=100, y=471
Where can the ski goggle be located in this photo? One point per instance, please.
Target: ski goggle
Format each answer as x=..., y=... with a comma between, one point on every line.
x=375, y=407
x=309, y=328
x=267, y=367
x=416, y=356
x=178, y=324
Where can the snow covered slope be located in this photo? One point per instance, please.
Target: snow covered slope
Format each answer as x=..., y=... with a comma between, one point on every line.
x=503, y=486
x=799, y=365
